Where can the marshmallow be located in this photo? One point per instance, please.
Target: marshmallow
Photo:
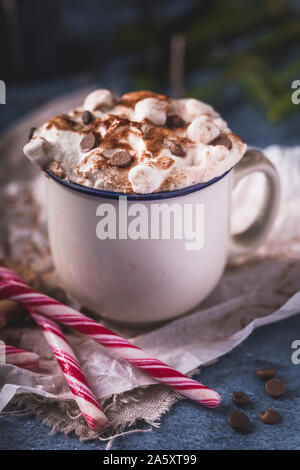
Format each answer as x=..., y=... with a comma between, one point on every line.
x=38, y=150
x=145, y=179
x=97, y=99
x=152, y=109
x=221, y=124
x=196, y=108
x=202, y=129
x=194, y=174
x=215, y=160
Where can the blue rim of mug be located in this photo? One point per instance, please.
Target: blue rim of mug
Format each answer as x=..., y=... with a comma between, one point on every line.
x=134, y=197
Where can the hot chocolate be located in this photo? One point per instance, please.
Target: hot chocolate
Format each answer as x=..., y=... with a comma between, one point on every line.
x=142, y=143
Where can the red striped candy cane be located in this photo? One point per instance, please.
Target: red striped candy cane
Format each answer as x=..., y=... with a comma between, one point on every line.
x=44, y=305
x=21, y=358
x=70, y=367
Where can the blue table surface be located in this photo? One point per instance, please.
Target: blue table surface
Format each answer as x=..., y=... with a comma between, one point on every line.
x=188, y=426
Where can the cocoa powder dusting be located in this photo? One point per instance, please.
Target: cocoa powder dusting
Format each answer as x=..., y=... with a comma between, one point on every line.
x=57, y=169
x=63, y=122
x=163, y=163
x=116, y=179
x=177, y=178
x=159, y=137
x=130, y=99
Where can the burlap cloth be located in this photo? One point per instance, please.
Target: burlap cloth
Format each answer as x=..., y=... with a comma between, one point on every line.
x=253, y=291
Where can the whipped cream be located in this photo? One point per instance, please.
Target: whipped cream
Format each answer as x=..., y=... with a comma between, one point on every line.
x=142, y=143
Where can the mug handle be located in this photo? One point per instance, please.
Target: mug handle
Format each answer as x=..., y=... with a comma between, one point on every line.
x=249, y=240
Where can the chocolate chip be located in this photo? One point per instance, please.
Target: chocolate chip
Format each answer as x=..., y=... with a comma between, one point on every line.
x=238, y=420
x=270, y=416
x=176, y=149
x=266, y=374
x=87, y=143
x=121, y=159
x=222, y=139
x=31, y=132
x=240, y=398
x=275, y=388
x=87, y=118
x=174, y=121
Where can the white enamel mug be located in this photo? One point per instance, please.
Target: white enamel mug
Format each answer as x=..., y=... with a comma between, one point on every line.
x=142, y=280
